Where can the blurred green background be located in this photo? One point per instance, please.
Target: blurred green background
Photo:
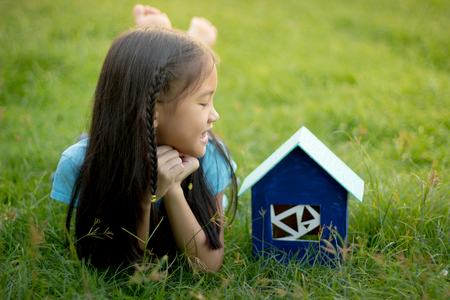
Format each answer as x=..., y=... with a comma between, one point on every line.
x=374, y=69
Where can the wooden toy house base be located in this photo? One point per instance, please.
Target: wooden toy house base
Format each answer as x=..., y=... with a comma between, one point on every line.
x=298, y=194
x=307, y=253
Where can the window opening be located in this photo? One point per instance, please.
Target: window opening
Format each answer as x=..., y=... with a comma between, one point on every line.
x=295, y=222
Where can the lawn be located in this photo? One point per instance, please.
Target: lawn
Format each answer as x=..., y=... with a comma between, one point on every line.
x=371, y=79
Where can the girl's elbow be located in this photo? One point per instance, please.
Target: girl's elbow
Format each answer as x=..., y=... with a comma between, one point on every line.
x=216, y=263
x=213, y=268
x=216, y=269
x=209, y=261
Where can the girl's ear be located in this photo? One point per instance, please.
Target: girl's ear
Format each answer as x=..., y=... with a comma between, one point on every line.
x=155, y=120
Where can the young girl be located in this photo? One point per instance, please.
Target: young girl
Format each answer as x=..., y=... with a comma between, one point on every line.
x=151, y=168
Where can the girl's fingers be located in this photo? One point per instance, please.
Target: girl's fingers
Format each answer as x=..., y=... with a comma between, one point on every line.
x=170, y=166
x=190, y=165
x=173, y=165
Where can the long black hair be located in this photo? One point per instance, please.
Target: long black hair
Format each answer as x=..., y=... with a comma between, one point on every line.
x=142, y=67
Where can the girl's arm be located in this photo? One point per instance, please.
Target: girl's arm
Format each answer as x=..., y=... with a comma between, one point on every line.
x=187, y=232
x=143, y=223
x=169, y=168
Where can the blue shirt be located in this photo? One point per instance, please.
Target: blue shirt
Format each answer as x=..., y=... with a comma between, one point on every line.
x=216, y=170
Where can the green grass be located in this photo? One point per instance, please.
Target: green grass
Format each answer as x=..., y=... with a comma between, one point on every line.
x=371, y=79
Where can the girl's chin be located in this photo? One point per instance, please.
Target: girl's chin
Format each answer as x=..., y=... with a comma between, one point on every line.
x=198, y=152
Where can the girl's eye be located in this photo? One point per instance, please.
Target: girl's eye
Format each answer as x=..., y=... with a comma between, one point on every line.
x=203, y=104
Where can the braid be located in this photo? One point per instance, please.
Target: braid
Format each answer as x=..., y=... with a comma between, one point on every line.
x=155, y=87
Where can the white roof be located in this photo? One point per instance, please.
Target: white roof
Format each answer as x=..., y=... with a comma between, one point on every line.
x=312, y=146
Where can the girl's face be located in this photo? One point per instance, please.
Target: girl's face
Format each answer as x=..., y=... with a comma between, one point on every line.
x=185, y=130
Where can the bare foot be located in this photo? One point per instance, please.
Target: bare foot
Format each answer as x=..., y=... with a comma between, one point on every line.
x=150, y=17
x=203, y=30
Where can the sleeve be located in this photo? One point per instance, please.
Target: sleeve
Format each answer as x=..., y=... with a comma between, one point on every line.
x=216, y=169
x=65, y=176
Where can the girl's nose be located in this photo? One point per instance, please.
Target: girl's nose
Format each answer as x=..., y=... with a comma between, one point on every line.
x=213, y=115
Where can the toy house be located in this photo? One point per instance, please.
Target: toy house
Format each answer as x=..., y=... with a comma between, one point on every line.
x=298, y=194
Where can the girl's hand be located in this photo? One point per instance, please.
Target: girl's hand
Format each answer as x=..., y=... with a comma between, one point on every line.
x=190, y=164
x=173, y=168
x=170, y=166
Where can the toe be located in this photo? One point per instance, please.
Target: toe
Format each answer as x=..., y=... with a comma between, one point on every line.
x=138, y=10
x=151, y=10
x=155, y=11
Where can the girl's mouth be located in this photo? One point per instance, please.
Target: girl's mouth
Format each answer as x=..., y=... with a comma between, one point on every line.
x=204, y=137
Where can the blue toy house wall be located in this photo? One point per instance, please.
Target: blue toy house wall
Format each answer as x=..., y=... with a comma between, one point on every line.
x=297, y=179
